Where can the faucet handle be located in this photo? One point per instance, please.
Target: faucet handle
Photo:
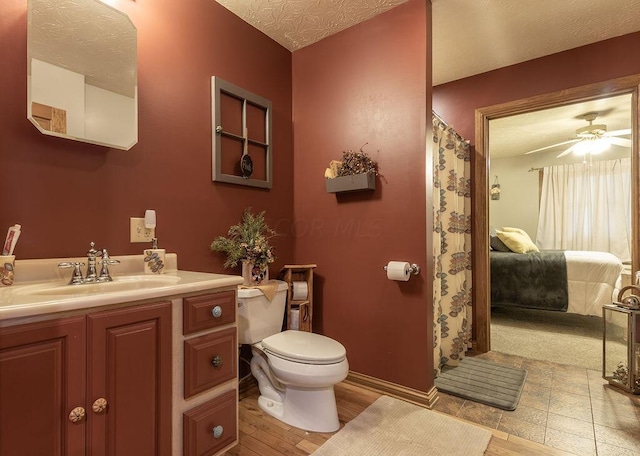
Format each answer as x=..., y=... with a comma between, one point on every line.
x=105, y=276
x=76, y=276
x=106, y=259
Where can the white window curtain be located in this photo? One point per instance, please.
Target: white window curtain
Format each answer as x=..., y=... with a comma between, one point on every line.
x=587, y=207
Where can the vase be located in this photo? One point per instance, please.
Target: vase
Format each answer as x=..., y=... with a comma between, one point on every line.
x=253, y=275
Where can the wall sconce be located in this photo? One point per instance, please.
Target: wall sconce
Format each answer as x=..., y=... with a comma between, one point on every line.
x=495, y=190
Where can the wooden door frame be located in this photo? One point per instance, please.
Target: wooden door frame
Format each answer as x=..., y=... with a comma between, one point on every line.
x=480, y=190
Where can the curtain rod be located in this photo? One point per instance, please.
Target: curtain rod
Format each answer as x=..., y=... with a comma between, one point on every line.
x=435, y=114
x=535, y=169
x=443, y=122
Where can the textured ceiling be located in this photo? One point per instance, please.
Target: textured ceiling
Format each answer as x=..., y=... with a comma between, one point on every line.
x=297, y=23
x=469, y=36
x=475, y=36
x=515, y=135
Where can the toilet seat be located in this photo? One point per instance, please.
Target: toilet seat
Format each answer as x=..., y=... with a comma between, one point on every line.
x=304, y=347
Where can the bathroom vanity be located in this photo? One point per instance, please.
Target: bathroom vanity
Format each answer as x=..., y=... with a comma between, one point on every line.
x=144, y=365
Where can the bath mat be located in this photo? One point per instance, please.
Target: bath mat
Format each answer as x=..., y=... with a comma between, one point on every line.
x=483, y=381
x=392, y=427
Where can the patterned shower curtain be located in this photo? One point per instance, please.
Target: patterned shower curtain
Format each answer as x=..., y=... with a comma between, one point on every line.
x=451, y=245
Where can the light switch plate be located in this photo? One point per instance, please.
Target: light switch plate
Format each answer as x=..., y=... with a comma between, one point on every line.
x=138, y=231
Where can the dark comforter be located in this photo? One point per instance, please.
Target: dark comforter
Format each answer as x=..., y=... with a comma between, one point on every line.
x=531, y=280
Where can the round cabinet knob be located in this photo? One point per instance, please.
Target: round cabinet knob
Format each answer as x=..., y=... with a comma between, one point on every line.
x=216, y=312
x=218, y=431
x=100, y=405
x=216, y=361
x=76, y=415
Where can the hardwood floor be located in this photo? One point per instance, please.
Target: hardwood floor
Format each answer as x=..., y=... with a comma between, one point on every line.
x=263, y=435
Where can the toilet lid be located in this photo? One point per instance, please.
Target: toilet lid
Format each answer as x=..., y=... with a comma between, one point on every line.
x=305, y=347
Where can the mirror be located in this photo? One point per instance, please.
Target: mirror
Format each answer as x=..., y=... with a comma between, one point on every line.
x=82, y=72
x=484, y=178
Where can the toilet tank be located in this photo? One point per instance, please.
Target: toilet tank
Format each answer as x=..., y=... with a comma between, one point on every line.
x=257, y=316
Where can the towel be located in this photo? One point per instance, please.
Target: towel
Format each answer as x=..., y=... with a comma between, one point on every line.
x=269, y=289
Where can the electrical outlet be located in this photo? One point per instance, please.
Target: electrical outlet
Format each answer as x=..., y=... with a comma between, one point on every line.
x=139, y=233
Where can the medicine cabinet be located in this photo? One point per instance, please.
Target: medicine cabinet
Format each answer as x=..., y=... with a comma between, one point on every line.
x=82, y=72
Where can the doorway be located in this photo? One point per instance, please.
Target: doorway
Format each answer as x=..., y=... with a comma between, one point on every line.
x=480, y=190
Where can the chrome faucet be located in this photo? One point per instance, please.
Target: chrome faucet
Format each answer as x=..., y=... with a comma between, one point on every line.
x=92, y=275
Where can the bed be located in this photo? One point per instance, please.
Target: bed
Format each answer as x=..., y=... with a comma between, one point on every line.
x=570, y=281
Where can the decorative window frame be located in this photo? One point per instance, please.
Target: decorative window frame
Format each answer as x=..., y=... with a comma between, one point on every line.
x=219, y=87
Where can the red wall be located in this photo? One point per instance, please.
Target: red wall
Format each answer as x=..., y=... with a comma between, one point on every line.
x=457, y=101
x=66, y=193
x=369, y=84
x=366, y=84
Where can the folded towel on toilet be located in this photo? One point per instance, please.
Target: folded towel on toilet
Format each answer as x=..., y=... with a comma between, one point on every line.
x=269, y=289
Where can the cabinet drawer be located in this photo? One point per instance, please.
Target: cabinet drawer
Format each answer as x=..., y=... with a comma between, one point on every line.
x=200, y=312
x=209, y=360
x=211, y=426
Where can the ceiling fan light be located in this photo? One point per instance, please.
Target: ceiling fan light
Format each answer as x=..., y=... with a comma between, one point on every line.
x=592, y=146
x=600, y=145
x=582, y=148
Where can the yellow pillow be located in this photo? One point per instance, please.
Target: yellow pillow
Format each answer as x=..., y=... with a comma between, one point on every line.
x=510, y=229
x=517, y=240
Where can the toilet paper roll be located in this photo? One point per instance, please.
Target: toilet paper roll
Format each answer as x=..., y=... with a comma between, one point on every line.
x=398, y=270
x=300, y=291
x=294, y=315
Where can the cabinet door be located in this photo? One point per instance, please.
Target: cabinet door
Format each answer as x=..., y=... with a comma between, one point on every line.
x=129, y=361
x=42, y=379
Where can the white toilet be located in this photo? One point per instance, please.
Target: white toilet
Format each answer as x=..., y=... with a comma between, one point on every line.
x=295, y=370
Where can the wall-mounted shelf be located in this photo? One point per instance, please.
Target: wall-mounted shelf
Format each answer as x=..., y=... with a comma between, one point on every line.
x=354, y=183
x=299, y=275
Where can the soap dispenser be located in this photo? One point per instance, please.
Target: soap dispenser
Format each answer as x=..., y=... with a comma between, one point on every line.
x=154, y=259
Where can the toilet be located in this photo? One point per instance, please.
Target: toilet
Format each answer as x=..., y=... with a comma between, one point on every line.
x=295, y=370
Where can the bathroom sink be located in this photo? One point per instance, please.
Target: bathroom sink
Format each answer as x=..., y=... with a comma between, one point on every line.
x=121, y=283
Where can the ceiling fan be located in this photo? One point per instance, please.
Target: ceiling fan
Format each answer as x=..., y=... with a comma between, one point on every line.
x=591, y=139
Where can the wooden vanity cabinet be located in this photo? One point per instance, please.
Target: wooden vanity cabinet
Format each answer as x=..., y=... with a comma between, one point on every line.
x=98, y=384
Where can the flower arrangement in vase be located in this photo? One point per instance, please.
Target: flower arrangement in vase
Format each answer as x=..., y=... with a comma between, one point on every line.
x=247, y=242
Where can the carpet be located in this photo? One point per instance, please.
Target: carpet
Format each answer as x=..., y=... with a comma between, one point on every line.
x=557, y=337
x=483, y=381
x=393, y=427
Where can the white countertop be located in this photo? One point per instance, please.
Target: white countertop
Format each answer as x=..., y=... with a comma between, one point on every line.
x=19, y=300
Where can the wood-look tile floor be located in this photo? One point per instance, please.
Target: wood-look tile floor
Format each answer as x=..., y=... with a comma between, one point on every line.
x=563, y=410
x=564, y=407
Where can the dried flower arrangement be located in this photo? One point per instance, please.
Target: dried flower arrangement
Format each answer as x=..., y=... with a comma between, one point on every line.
x=353, y=163
x=247, y=240
x=357, y=163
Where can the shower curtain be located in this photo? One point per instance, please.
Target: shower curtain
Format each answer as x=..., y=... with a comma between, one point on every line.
x=452, y=245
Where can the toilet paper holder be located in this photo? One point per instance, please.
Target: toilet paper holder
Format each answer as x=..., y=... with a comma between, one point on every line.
x=414, y=269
